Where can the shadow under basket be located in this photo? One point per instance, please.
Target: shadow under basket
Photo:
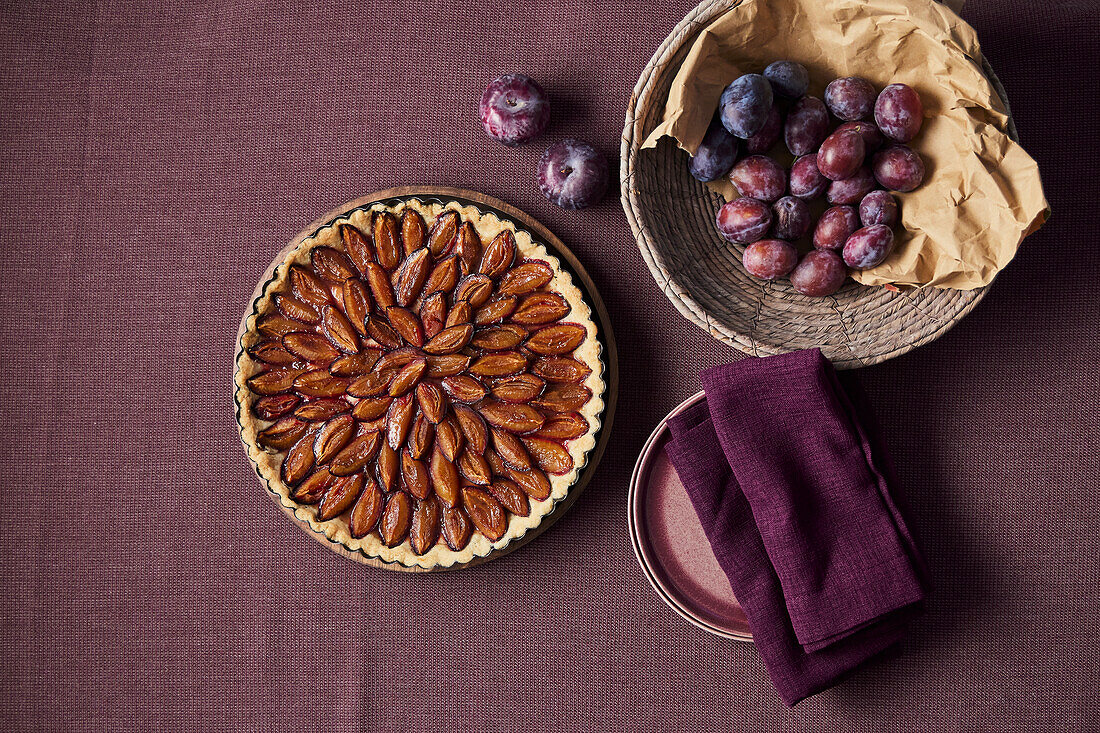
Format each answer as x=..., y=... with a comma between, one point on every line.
x=672, y=217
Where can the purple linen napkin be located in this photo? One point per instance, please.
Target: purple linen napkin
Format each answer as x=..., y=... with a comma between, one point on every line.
x=791, y=488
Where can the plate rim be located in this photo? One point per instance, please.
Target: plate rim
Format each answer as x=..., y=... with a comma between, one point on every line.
x=633, y=518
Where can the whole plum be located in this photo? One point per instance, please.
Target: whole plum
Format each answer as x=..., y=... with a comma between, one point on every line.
x=872, y=138
x=792, y=218
x=850, y=98
x=745, y=105
x=834, y=227
x=744, y=220
x=868, y=246
x=806, y=180
x=899, y=112
x=715, y=155
x=788, y=78
x=841, y=155
x=759, y=177
x=573, y=174
x=514, y=109
x=763, y=141
x=898, y=168
x=852, y=189
x=878, y=207
x=807, y=125
x=820, y=273
x=769, y=258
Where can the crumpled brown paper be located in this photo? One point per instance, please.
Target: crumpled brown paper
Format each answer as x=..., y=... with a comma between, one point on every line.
x=981, y=193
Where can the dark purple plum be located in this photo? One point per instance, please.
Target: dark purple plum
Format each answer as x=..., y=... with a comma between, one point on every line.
x=834, y=227
x=573, y=174
x=878, y=207
x=759, y=177
x=852, y=189
x=868, y=246
x=806, y=180
x=872, y=138
x=715, y=155
x=769, y=258
x=807, y=125
x=850, y=98
x=841, y=155
x=898, y=168
x=820, y=273
x=745, y=104
x=788, y=78
x=514, y=109
x=899, y=112
x=744, y=220
x=792, y=218
x=763, y=141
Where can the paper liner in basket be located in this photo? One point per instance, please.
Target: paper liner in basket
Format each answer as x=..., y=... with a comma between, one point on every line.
x=981, y=194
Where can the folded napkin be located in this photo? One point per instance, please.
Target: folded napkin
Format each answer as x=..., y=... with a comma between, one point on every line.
x=795, y=493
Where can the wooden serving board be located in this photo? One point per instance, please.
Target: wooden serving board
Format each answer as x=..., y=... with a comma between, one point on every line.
x=582, y=280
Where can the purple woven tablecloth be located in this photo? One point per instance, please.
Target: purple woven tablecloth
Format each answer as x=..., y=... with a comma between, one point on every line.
x=156, y=156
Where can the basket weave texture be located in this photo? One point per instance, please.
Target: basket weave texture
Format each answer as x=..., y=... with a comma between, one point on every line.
x=672, y=217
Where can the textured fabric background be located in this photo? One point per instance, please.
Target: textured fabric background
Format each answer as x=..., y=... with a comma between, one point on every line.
x=155, y=157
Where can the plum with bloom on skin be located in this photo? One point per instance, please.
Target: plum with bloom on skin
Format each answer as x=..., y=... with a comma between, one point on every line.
x=573, y=174
x=807, y=126
x=878, y=207
x=715, y=155
x=759, y=177
x=745, y=105
x=806, y=180
x=899, y=112
x=514, y=109
x=792, y=218
x=852, y=189
x=850, y=98
x=841, y=155
x=898, y=168
x=834, y=227
x=788, y=78
x=768, y=259
x=868, y=246
x=743, y=220
x=820, y=273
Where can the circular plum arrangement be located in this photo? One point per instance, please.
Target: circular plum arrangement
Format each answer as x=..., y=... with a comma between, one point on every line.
x=850, y=149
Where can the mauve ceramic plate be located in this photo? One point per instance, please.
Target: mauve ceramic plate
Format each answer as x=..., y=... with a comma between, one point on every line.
x=670, y=544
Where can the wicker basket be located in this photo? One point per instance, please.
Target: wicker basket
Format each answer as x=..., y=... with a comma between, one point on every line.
x=702, y=274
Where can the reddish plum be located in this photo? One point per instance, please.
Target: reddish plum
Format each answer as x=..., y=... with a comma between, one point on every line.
x=850, y=98
x=792, y=218
x=872, y=138
x=806, y=180
x=763, y=141
x=759, y=177
x=899, y=112
x=851, y=190
x=744, y=220
x=769, y=258
x=834, y=227
x=514, y=109
x=745, y=105
x=573, y=174
x=868, y=246
x=878, y=207
x=788, y=78
x=715, y=155
x=841, y=155
x=820, y=273
x=807, y=125
x=898, y=168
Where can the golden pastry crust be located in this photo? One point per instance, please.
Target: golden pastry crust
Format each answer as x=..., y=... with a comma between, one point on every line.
x=268, y=463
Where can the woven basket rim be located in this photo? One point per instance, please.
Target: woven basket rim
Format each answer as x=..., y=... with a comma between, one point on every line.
x=664, y=61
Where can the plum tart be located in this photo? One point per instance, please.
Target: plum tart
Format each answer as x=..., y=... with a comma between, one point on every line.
x=420, y=383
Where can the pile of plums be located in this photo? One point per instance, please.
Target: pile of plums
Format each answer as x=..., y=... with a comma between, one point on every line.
x=854, y=166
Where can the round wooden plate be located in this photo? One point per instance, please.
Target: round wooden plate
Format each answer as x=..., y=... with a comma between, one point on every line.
x=569, y=261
